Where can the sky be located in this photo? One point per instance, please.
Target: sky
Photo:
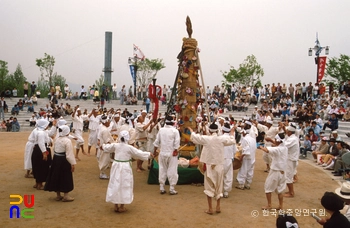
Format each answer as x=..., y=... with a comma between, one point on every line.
x=278, y=33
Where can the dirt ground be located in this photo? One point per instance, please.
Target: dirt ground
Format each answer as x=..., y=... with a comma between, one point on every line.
x=149, y=208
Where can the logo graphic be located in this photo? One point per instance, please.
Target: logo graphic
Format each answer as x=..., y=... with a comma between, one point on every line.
x=28, y=203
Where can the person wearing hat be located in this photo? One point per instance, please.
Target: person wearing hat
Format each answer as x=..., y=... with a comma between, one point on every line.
x=336, y=136
x=322, y=149
x=220, y=123
x=270, y=133
x=229, y=153
x=41, y=156
x=104, y=136
x=344, y=193
x=32, y=120
x=292, y=143
x=246, y=172
x=60, y=177
x=127, y=125
x=121, y=183
x=28, y=153
x=333, y=203
x=78, y=123
x=332, y=153
x=94, y=122
x=213, y=158
x=168, y=140
x=276, y=180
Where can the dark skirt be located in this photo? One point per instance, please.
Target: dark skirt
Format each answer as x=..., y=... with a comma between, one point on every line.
x=60, y=178
x=40, y=167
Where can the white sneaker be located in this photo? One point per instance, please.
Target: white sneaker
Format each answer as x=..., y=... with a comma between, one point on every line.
x=225, y=194
x=104, y=176
x=324, y=165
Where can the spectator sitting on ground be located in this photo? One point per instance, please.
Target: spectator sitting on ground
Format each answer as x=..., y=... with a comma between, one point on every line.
x=34, y=100
x=20, y=104
x=15, y=110
x=327, y=160
x=15, y=125
x=332, y=123
x=344, y=193
x=32, y=120
x=3, y=125
x=322, y=149
x=9, y=124
x=338, y=163
x=335, y=136
x=306, y=146
x=30, y=108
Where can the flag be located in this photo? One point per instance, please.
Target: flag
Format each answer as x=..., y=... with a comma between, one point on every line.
x=321, y=66
x=138, y=53
x=133, y=73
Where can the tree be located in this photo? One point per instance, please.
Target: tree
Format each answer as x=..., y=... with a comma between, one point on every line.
x=58, y=80
x=16, y=80
x=46, y=66
x=3, y=74
x=338, y=70
x=99, y=82
x=147, y=70
x=249, y=73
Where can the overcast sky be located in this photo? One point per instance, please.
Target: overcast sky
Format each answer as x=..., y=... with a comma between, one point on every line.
x=278, y=33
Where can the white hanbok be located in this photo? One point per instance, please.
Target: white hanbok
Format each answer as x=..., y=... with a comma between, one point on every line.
x=121, y=183
x=292, y=143
x=29, y=150
x=246, y=172
x=229, y=152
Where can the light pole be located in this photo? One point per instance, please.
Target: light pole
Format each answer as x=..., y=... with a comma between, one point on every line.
x=318, y=49
x=133, y=70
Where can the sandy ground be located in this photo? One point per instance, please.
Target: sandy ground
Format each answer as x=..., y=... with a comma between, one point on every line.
x=149, y=208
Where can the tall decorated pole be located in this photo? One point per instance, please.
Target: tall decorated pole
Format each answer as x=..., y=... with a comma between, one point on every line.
x=188, y=93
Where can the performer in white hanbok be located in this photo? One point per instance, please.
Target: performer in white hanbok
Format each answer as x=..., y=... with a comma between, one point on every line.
x=78, y=131
x=213, y=158
x=94, y=122
x=28, y=154
x=292, y=143
x=60, y=177
x=246, y=172
x=168, y=139
x=270, y=132
x=121, y=183
x=229, y=153
x=104, y=136
x=276, y=180
x=41, y=156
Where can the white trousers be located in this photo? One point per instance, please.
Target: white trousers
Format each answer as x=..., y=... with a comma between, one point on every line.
x=79, y=135
x=103, y=161
x=167, y=169
x=275, y=181
x=213, y=181
x=246, y=172
x=228, y=175
x=290, y=171
x=92, y=138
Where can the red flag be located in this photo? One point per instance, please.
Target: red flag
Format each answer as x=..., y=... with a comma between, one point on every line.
x=138, y=53
x=321, y=67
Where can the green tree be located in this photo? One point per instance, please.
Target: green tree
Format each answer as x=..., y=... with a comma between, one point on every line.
x=16, y=80
x=46, y=66
x=43, y=86
x=3, y=74
x=249, y=73
x=147, y=70
x=99, y=82
x=338, y=70
x=58, y=80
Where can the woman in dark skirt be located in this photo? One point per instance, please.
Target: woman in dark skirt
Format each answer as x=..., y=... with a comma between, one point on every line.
x=41, y=156
x=60, y=178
